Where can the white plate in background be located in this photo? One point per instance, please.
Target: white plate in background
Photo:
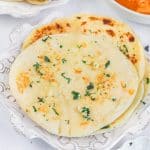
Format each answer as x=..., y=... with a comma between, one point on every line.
x=24, y=10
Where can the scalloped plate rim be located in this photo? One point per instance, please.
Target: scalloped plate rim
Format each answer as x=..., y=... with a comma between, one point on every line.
x=15, y=46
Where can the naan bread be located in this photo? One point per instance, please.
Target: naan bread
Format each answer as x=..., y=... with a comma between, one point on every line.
x=119, y=34
x=143, y=91
x=72, y=85
x=127, y=114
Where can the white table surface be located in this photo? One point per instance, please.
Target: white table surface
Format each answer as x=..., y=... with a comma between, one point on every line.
x=9, y=138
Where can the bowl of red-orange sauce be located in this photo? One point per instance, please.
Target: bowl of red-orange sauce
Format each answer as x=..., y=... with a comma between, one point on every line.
x=135, y=10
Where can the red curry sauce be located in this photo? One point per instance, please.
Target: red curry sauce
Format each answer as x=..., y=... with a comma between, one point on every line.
x=141, y=6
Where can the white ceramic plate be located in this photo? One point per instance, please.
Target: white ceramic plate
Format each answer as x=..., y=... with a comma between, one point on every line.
x=139, y=143
x=23, y=10
x=129, y=14
x=24, y=125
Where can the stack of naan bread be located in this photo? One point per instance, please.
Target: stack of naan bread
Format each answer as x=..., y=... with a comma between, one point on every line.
x=80, y=75
x=37, y=2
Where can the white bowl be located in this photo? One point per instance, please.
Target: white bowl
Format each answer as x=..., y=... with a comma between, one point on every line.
x=129, y=14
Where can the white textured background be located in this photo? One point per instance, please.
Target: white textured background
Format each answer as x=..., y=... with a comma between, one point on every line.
x=9, y=138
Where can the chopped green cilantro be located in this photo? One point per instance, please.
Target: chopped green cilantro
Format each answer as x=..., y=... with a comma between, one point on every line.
x=113, y=99
x=107, y=75
x=107, y=64
x=106, y=127
x=45, y=38
x=61, y=46
x=64, y=60
x=40, y=99
x=55, y=111
x=123, y=49
x=86, y=113
x=68, y=79
x=87, y=93
x=90, y=31
x=67, y=121
x=31, y=84
x=36, y=66
x=39, y=72
x=147, y=80
x=34, y=108
x=90, y=86
x=76, y=95
x=83, y=61
x=79, y=46
x=46, y=59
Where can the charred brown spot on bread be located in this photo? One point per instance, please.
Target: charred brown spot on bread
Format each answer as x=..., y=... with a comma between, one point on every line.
x=58, y=26
x=84, y=30
x=83, y=23
x=78, y=17
x=107, y=21
x=42, y=32
x=130, y=37
x=111, y=32
x=99, y=30
x=121, y=38
x=68, y=25
x=92, y=18
x=96, y=32
x=132, y=58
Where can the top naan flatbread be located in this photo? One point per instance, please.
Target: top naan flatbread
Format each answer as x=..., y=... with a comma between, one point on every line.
x=72, y=85
x=119, y=34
